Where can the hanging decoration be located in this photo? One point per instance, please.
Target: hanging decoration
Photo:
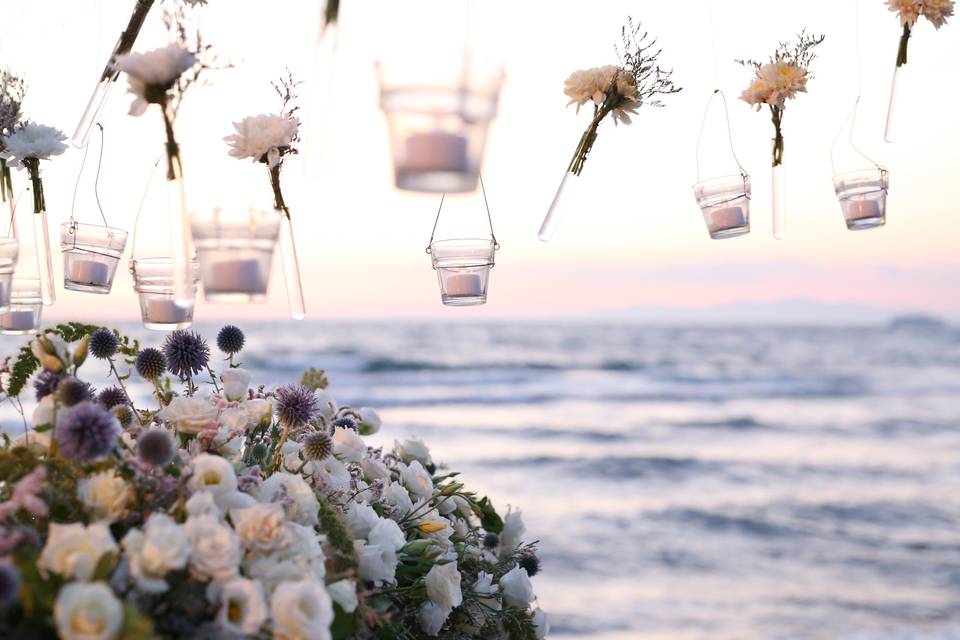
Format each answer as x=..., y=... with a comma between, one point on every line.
x=463, y=264
x=775, y=82
x=725, y=200
x=862, y=192
x=616, y=91
x=236, y=261
x=12, y=91
x=909, y=12
x=91, y=252
x=162, y=77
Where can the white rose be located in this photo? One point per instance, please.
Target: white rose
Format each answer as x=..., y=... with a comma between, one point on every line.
x=243, y=609
x=484, y=586
x=374, y=469
x=348, y=445
x=374, y=562
x=331, y=475
x=541, y=622
x=259, y=411
x=344, y=593
x=235, y=383
x=417, y=480
x=517, y=588
x=369, y=421
x=44, y=413
x=201, y=503
x=513, y=529
x=297, y=497
x=387, y=533
x=163, y=546
x=412, y=449
x=302, y=559
x=73, y=550
x=88, y=612
x=395, y=495
x=432, y=618
x=216, y=548
x=105, y=495
x=360, y=519
x=262, y=527
x=214, y=474
x=190, y=415
x=234, y=419
x=301, y=610
x=443, y=586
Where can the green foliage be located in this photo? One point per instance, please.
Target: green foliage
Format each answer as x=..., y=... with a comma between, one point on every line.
x=60, y=493
x=489, y=518
x=344, y=624
x=314, y=379
x=24, y=367
x=338, y=535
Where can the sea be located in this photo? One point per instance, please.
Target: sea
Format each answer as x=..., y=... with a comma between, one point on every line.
x=742, y=482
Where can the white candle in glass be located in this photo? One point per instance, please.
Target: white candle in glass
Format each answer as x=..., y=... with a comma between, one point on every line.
x=463, y=284
x=239, y=276
x=167, y=311
x=18, y=320
x=435, y=151
x=861, y=209
x=90, y=272
x=727, y=218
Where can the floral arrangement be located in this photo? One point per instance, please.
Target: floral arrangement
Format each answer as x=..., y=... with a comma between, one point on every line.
x=27, y=146
x=618, y=90
x=13, y=89
x=909, y=12
x=236, y=511
x=269, y=139
x=779, y=80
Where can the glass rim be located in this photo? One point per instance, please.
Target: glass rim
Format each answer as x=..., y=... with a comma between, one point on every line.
x=867, y=171
x=732, y=177
x=465, y=241
x=86, y=226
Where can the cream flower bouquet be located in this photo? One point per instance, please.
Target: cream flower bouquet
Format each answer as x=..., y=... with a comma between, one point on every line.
x=235, y=511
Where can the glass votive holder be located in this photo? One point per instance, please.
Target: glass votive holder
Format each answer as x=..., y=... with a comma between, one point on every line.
x=26, y=303
x=725, y=203
x=9, y=250
x=463, y=270
x=160, y=310
x=438, y=132
x=863, y=197
x=91, y=254
x=236, y=253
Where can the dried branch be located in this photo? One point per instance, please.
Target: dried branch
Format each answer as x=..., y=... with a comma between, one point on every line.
x=639, y=59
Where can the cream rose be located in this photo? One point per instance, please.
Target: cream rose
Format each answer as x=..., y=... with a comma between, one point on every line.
x=88, y=612
x=243, y=609
x=190, y=415
x=262, y=527
x=301, y=610
x=73, y=550
x=105, y=495
x=235, y=383
x=298, y=499
x=216, y=548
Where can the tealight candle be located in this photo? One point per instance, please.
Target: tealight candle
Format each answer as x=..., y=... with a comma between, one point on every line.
x=89, y=272
x=727, y=218
x=236, y=276
x=435, y=151
x=463, y=284
x=18, y=320
x=166, y=311
x=861, y=209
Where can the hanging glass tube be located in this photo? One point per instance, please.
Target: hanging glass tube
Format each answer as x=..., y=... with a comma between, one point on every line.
x=288, y=250
x=41, y=232
x=109, y=76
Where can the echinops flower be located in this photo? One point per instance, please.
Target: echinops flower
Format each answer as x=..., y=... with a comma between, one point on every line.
x=296, y=405
x=186, y=353
x=230, y=339
x=86, y=432
x=155, y=447
x=112, y=397
x=151, y=364
x=103, y=344
x=70, y=391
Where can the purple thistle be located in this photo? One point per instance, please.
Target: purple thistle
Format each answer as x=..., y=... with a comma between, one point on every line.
x=155, y=447
x=112, y=397
x=186, y=353
x=103, y=344
x=296, y=405
x=46, y=383
x=86, y=432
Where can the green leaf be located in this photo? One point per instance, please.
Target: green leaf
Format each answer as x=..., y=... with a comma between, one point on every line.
x=344, y=624
x=105, y=566
x=43, y=427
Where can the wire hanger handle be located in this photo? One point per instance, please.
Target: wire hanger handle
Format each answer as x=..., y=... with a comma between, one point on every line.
x=96, y=182
x=136, y=218
x=486, y=205
x=703, y=125
x=851, y=122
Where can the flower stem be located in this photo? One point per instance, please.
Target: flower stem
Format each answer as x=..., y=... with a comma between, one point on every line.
x=902, y=49
x=128, y=37
x=777, y=117
x=33, y=168
x=123, y=387
x=6, y=187
x=278, y=202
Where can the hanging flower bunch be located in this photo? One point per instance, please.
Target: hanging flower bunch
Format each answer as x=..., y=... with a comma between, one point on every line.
x=909, y=12
x=12, y=91
x=237, y=511
x=619, y=90
x=269, y=138
x=779, y=80
x=27, y=146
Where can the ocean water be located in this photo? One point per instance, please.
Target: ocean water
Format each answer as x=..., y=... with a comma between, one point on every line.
x=713, y=483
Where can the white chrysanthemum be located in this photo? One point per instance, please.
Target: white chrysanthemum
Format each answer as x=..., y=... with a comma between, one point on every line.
x=34, y=140
x=151, y=74
x=775, y=83
x=243, y=609
x=292, y=491
x=263, y=137
x=907, y=10
x=937, y=11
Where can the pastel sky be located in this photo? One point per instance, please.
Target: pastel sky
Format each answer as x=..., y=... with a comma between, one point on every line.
x=634, y=237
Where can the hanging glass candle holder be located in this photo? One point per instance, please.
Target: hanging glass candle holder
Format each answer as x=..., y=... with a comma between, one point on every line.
x=26, y=305
x=440, y=100
x=235, y=250
x=725, y=200
x=862, y=192
x=9, y=244
x=161, y=306
x=463, y=264
x=91, y=252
